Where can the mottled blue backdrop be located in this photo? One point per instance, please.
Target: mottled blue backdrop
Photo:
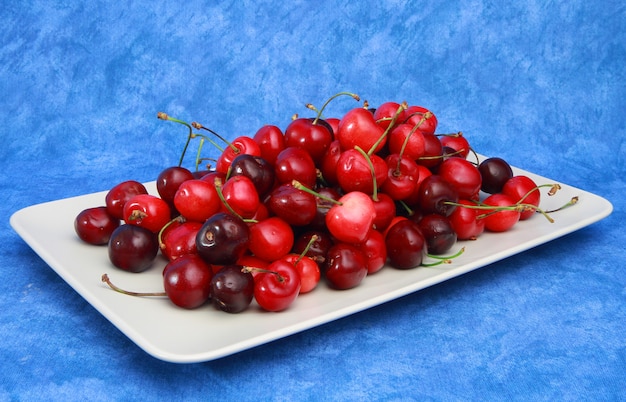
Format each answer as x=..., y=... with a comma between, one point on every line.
x=541, y=83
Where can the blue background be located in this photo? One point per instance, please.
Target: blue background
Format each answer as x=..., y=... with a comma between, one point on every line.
x=540, y=83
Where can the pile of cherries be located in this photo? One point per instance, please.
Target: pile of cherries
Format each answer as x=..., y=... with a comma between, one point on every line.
x=327, y=199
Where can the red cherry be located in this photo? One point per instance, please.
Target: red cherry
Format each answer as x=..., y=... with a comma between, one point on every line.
x=276, y=289
x=345, y=267
x=358, y=128
x=241, y=195
x=458, y=143
x=433, y=152
x=333, y=122
x=95, y=225
x=375, y=251
x=355, y=174
x=328, y=167
x=308, y=270
x=385, y=113
x=523, y=188
x=271, y=142
x=500, y=220
x=295, y=163
x=425, y=118
x=187, y=281
x=119, y=194
x=402, y=176
x=313, y=135
x=351, y=220
x=147, y=211
x=179, y=240
x=405, y=139
x=465, y=223
x=385, y=209
x=197, y=200
x=240, y=145
x=463, y=175
x=271, y=239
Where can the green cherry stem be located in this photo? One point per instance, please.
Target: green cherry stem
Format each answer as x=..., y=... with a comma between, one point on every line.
x=371, y=166
x=105, y=279
x=199, y=126
x=166, y=117
x=442, y=260
x=300, y=186
x=312, y=240
x=387, y=130
x=319, y=112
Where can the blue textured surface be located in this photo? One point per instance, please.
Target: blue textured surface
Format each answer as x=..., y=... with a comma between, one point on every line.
x=540, y=83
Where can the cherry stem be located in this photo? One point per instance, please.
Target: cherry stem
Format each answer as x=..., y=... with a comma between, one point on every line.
x=387, y=130
x=371, y=166
x=300, y=186
x=319, y=112
x=105, y=279
x=406, y=140
x=179, y=218
x=164, y=116
x=518, y=207
x=443, y=260
x=571, y=202
x=230, y=144
x=217, y=182
x=248, y=269
x=312, y=240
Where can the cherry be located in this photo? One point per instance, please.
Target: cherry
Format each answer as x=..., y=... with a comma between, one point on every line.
x=197, y=200
x=295, y=163
x=433, y=152
x=385, y=113
x=375, y=251
x=308, y=270
x=119, y=194
x=358, y=128
x=457, y=142
x=232, y=289
x=436, y=195
x=351, y=219
x=271, y=142
x=222, y=239
x=169, y=180
x=402, y=176
x=463, y=175
x=500, y=220
x=276, y=287
x=187, y=281
x=407, y=140
x=345, y=267
x=438, y=232
x=425, y=120
x=295, y=206
x=312, y=134
x=257, y=169
x=271, y=239
x=406, y=245
x=385, y=210
x=95, y=225
x=328, y=166
x=240, y=145
x=132, y=248
x=464, y=221
x=179, y=239
x=523, y=189
x=494, y=172
x=354, y=171
x=241, y=196
x=147, y=211
x=314, y=244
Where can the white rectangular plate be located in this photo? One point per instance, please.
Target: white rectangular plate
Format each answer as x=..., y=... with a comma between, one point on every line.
x=157, y=326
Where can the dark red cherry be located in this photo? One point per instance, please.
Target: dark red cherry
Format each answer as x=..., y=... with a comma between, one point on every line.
x=187, y=281
x=406, y=245
x=434, y=195
x=169, y=180
x=95, y=225
x=495, y=172
x=133, y=248
x=232, y=289
x=438, y=232
x=257, y=169
x=222, y=239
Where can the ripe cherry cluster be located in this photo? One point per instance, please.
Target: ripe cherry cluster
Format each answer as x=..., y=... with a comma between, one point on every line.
x=333, y=199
